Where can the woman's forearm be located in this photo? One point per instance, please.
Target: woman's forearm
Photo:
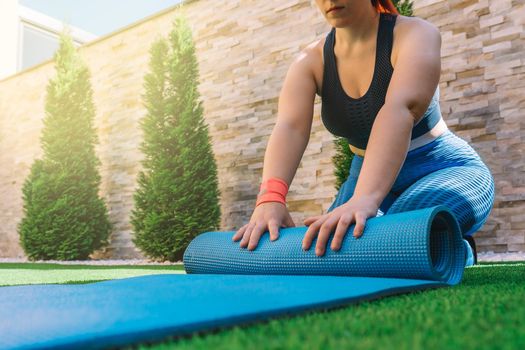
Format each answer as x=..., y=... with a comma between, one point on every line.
x=385, y=152
x=284, y=152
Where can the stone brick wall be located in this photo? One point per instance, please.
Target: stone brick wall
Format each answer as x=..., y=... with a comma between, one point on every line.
x=482, y=100
x=244, y=49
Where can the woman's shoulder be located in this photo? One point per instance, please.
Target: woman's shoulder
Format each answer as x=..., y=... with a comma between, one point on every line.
x=406, y=25
x=411, y=30
x=312, y=54
x=312, y=57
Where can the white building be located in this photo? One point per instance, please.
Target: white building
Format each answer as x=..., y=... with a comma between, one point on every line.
x=29, y=37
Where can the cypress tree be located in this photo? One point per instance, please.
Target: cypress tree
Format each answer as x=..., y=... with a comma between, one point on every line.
x=177, y=196
x=64, y=218
x=341, y=160
x=343, y=156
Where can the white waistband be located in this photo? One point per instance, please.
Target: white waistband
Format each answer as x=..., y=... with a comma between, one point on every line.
x=429, y=136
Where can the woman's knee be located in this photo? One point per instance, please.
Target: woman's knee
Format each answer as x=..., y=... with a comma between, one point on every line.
x=467, y=190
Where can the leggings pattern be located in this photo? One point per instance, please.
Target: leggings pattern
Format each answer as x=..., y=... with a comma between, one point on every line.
x=446, y=171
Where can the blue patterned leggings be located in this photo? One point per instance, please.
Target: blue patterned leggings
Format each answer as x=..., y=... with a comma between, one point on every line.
x=445, y=171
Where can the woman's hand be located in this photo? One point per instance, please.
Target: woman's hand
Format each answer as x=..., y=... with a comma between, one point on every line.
x=357, y=210
x=270, y=215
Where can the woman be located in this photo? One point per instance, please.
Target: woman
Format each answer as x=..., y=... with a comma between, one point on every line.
x=377, y=73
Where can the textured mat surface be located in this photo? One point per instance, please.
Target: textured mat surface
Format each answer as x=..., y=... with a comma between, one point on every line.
x=145, y=308
x=228, y=285
x=420, y=244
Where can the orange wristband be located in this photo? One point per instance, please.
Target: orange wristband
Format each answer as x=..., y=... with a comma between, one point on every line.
x=272, y=190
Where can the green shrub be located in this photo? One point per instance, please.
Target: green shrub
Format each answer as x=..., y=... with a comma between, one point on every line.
x=177, y=195
x=64, y=218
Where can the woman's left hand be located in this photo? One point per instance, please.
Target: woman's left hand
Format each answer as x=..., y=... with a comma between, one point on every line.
x=357, y=210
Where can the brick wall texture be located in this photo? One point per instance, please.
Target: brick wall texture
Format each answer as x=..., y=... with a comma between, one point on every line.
x=244, y=49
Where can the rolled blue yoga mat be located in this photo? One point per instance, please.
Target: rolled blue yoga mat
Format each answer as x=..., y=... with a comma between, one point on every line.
x=419, y=244
x=227, y=285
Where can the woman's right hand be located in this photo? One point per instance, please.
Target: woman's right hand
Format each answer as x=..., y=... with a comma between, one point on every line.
x=268, y=215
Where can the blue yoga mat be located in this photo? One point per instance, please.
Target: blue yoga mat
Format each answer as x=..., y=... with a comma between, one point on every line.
x=227, y=285
x=419, y=244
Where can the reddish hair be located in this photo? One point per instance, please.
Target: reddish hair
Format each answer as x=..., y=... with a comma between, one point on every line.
x=385, y=6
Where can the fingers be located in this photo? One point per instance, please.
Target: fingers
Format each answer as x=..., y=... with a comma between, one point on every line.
x=312, y=232
x=251, y=233
x=311, y=219
x=340, y=232
x=257, y=231
x=360, y=224
x=246, y=237
x=324, y=234
x=255, y=235
x=324, y=226
x=239, y=233
x=274, y=230
x=321, y=228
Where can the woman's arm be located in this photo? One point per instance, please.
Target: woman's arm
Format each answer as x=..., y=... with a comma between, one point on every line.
x=285, y=147
x=413, y=83
x=291, y=132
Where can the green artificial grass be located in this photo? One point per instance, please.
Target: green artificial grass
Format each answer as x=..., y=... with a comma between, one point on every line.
x=486, y=311
x=41, y=273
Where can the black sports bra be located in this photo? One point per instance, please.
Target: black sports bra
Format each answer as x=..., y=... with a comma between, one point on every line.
x=353, y=118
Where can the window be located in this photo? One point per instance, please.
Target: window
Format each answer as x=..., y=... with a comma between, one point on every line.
x=36, y=46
